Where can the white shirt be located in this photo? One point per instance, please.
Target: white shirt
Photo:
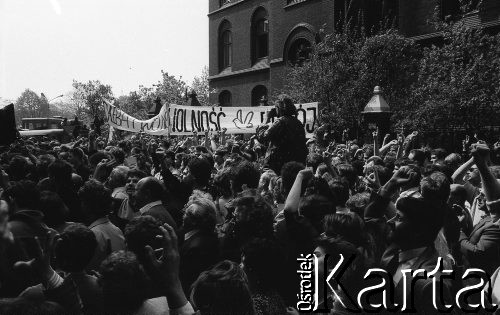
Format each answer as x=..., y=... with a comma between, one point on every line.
x=406, y=260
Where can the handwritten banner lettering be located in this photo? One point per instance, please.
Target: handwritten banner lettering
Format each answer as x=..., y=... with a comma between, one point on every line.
x=183, y=120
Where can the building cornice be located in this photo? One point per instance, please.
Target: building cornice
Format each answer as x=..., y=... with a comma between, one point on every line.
x=227, y=6
x=254, y=69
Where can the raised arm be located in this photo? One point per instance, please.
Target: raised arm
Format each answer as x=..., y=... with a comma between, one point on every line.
x=481, y=155
x=458, y=175
x=293, y=198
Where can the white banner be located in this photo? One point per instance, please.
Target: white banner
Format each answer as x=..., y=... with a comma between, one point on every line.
x=183, y=120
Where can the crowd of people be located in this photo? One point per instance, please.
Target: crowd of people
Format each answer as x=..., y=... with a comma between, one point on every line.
x=214, y=223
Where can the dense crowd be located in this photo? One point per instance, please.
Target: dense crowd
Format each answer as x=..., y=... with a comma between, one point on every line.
x=214, y=223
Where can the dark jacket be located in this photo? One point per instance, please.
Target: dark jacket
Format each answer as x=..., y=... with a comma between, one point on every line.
x=482, y=247
x=198, y=253
x=160, y=213
x=287, y=142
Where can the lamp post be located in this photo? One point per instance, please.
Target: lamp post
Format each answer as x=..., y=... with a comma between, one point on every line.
x=58, y=96
x=377, y=113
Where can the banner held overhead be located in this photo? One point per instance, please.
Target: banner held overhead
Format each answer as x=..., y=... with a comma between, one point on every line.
x=184, y=120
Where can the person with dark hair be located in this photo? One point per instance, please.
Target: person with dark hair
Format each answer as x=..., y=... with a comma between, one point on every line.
x=73, y=250
x=417, y=157
x=200, y=249
x=18, y=168
x=314, y=160
x=414, y=229
x=263, y=262
x=55, y=212
x=340, y=191
x=244, y=176
x=148, y=197
x=200, y=170
x=141, y=232
x=125, y=286
x=222, y=290
x=96, y=203
x=76, y=158
x=252, y=217
x=61, y=181
x=438, y=155
x=285, y=137
x=25, y=223
x=126, y=210
x=332, y=248
x=118, y=155
x=481, y=247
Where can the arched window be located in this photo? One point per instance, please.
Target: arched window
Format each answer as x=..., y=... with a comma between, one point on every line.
x=225, y=46
x=299, y=51
x=298, y=45
x=259, y=95
x=225, y=98
x=260, y=34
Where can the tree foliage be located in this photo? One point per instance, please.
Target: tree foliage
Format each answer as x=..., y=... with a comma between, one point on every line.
x=453, y=85
x=201, y=87
x=344, y=69
x=86, y=99
x=30, y=104
x=459, y=82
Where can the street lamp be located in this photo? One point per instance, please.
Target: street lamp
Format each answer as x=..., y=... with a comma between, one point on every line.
x=55, y=98
x=377, y=113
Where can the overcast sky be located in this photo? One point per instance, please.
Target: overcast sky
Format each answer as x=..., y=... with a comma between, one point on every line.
x=45, y=44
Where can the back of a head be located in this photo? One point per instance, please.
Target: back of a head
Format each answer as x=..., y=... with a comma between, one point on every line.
x=142, y=231
x=255, y=216
x=348, y=172
x=286, y=106
x=60, y=171
x=75, y=248
x=95, y=198
x=289, y=172
x=418, y=156
x=124, y=283
x=245, y=173
x=24, y=193
x=200, y=214
x=53, y=208
x=340, y=190
x=118, y=155
x=348, y=226
x=222, y=290
x=200, y=169
x=314, y=160
x=435, y=187
x=315, y=207
x=18, y=168
x=154, y=187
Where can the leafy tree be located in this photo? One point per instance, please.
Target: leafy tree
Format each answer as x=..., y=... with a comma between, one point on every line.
x=201, y=87
x=29, y=104
x=134, y=104
x=86, y=99
x=459, y=82
x=343, y=70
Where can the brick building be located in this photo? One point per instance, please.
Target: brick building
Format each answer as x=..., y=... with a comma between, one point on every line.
x=252, y=41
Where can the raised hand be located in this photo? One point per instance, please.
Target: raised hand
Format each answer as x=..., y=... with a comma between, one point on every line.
x=166, y=268
x=481, y=153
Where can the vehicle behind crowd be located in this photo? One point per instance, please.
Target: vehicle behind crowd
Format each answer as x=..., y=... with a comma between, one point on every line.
x=218, y=224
